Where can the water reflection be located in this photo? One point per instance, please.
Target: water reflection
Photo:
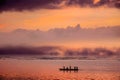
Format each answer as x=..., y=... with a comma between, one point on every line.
x=50, y=69
x=69, y=71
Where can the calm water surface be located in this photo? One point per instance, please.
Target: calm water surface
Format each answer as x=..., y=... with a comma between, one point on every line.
x=49, y=69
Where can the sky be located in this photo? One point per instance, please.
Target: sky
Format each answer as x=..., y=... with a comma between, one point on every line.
x=47, y=15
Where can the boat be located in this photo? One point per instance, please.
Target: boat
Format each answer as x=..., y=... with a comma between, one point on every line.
x=69, y=68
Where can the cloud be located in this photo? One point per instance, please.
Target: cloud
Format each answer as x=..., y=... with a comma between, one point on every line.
x=29, y=50
x=94, y=3
x=109, y=3
x=60, y=35
x=50, y=52
x=81, y=3
x=20, y=5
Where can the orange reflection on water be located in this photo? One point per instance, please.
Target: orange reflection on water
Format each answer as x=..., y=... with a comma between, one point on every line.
x=49, y=69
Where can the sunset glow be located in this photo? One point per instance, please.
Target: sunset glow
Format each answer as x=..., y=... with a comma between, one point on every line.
x=61, y=18
x=59, y=39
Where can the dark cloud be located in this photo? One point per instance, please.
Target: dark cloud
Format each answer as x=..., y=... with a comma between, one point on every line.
x=83, y=53
x=90, y=3
x=81, y=3
x=28, y=50
x=109, y=3
x=20, y=5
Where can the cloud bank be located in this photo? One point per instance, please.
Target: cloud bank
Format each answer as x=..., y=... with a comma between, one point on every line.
x=50, y=52
x=60, y=35
x=20, y=5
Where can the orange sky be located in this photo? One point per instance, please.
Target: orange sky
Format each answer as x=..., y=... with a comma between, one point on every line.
x=45, y=19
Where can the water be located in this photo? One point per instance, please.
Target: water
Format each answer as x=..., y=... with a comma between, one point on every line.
x=49, y=69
